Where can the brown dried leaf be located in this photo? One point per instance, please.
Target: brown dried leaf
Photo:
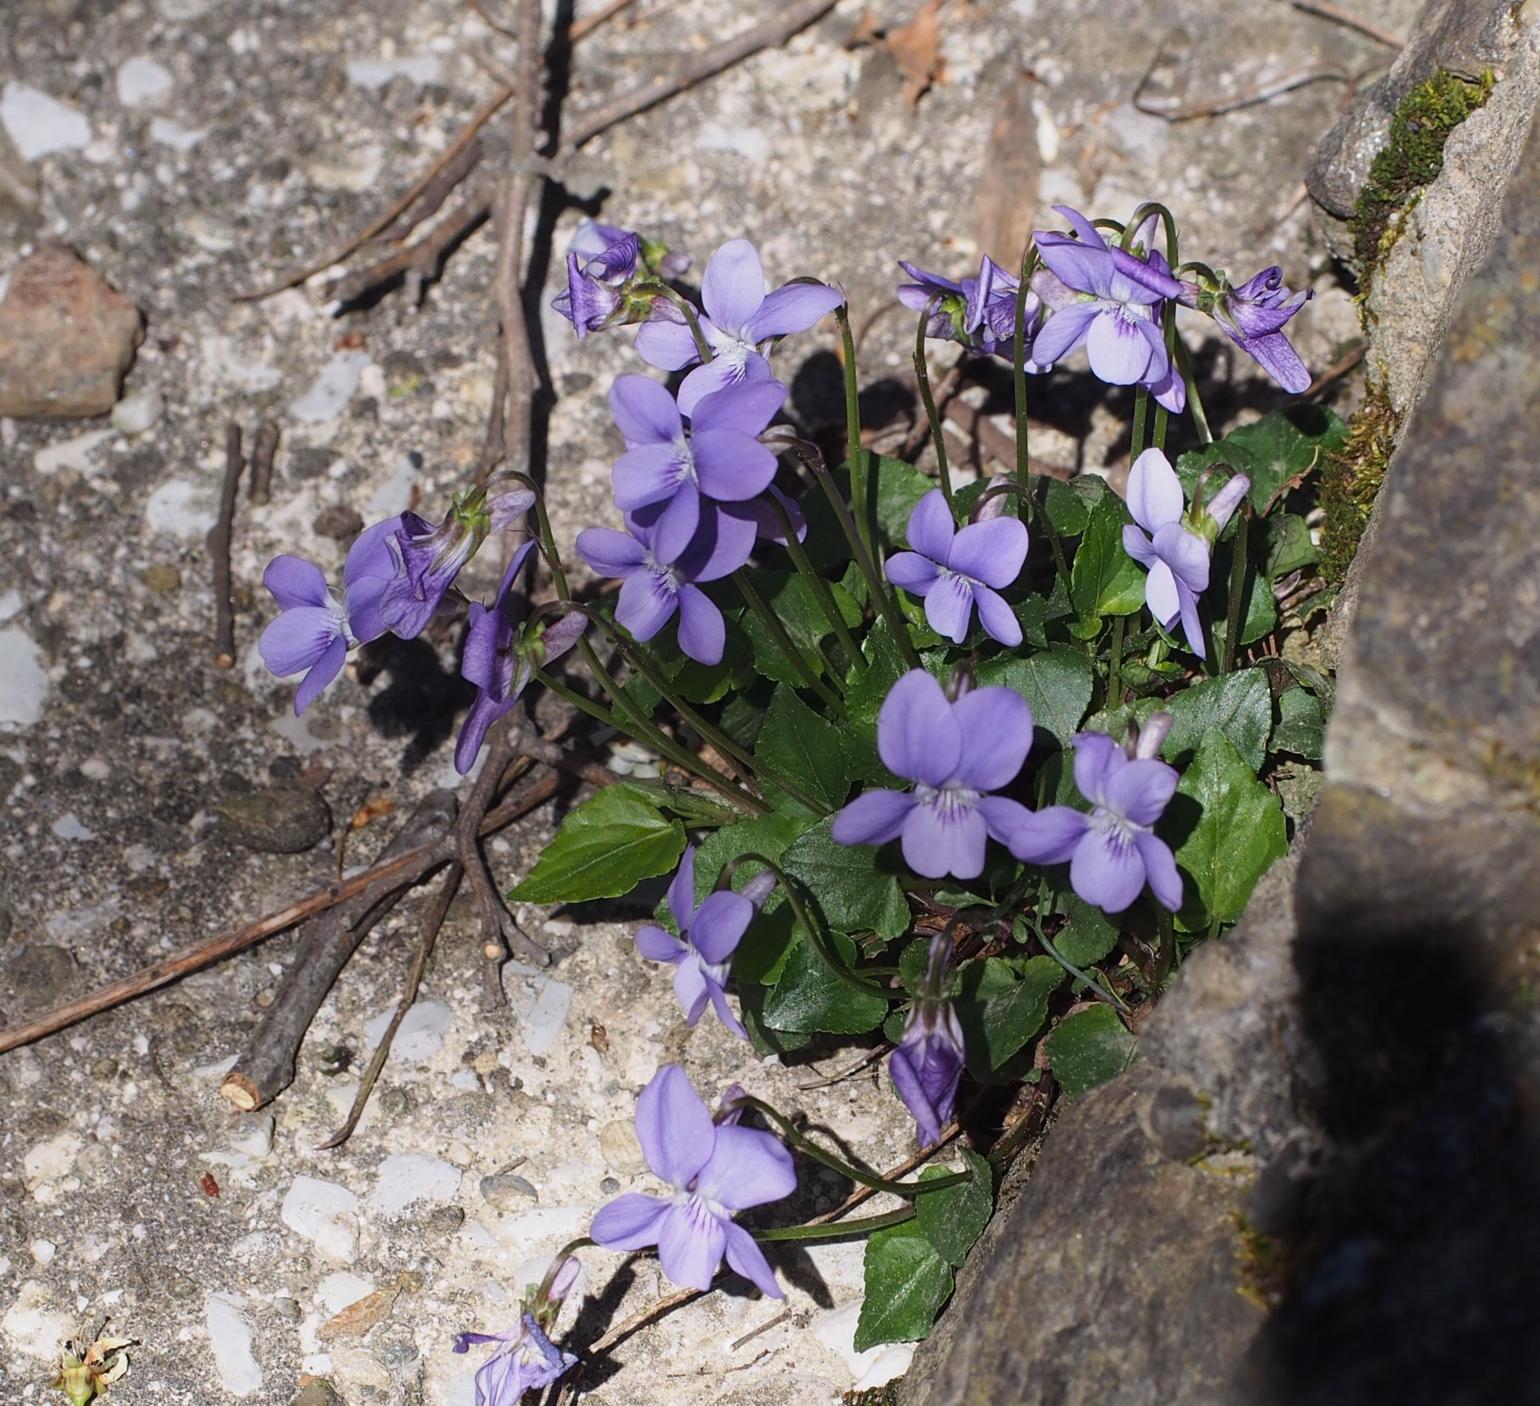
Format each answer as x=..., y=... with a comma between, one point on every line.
x=916, y=48
x=371, y=810
x=358, y=1318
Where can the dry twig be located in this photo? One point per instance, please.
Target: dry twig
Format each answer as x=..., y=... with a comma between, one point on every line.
x=1328, y=11
x=259, y=485
x=218, y=542
x=1261, y=92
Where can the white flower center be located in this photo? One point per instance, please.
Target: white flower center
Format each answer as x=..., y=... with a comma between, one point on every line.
x=731, y=345
x=666, y=576
x=952, y=799
x=701, y=1210
x=1119, y=830
x=684, y=458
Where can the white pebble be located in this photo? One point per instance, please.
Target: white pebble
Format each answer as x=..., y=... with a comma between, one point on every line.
x=408, y=1178
x=142, y=80
x=230, y=1340
x=324, y=1213
x=39, y=125
x=137, y=411
x=43, y=1251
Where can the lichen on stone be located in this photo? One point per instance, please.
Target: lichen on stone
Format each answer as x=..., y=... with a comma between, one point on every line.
x=1351, y=478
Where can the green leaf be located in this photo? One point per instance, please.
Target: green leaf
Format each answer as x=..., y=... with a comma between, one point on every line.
x=762, y=953
x=1238, y=834
x=847, y=883
x=1288, y=546
x=907, y=1282
x=1068, y=505
x=1270, y=450
x=885, y=665
x=1089, y=1048
x=742, y=719
x=809, y=997
x=1056, y=682
x=1301, y=724
x=953, y=1218
x=1088, y=934
x=804, y=748
x=1104, y=579
x=1003, y=1004
x=899, y=486
x=1238, y=704
x=1259, y=608
x=604, y=848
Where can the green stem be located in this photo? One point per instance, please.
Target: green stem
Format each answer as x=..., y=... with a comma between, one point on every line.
x=1166, y=946
x=1141, y=413
x=1168, y=321
x=1110, y=997
x=1237, y=590
x=858, y=485
x=819, y=586
x=1115, y=664
x=1019, y=389
x=784, y=643
x=1194, y=400
x=922, y=375
x=686, y=308
x=844, y=1231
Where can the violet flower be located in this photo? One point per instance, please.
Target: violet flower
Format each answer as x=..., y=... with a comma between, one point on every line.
x=926, y=1065
x=1110, y=300
x=668, y=468
x=739, y=318
x=955, y=753
x=500, y=672
x=715, y=1169
x=978, y=313
x=1253, y=317
x=708, y=937
x=652, y=591
x=1176, y=556
x=954, y=571
x=1113, y=852
x=602, y=265
x=526, y=1360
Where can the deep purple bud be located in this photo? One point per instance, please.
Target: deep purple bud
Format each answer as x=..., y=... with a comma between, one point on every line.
x=927, y=1065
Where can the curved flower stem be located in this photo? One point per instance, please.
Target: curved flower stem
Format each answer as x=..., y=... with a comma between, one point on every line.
x=784, y=643
x=858, y=483
x=687, y=310
x=1109, y=996
x=922, y=375
x=1237, y=589
x=557, y=1260
x=818, y=585
x=1141, y=414
x=1019, y=388
x=864, y=1226
x=1194, y=401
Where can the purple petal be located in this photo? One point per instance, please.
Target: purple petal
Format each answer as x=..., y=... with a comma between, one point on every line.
x=372, y=555
x=1275, y=355
x=691, y=1242
x=733, y=286
x=485, y=711
x=731, y=465
x=940, y=840
x=746, y=1258
x=747, y=407
x=644, y=411
x=629, y=1222
x=1003, y=818
x=725, y=1011
x=996, y=726
x=692, y=990
x=666, y=343
x=1186, y=554
x=1049, y=836
x=645, y=605
x=1171, y=391
x=1187, y=606
x=997, y=618
x=702, y=631
x=1154, y=492
x=298, y=638
x=917, y=736
x=747, y=1168
x=673, y=1126
x=1152, y=278
x=1063, y=331
x=1221, y=507
x=720, y=923
x=873, y=818
x=931, y=529
x=650, y=473
x=681, y=890
x=992, y=552
x=1141, y=790
x=1138, y=546
x=1119, y=354
x=1097, y=760
x=674, y=528
x=949, y=607
x=1160, y=870
x=1160, y=594
x=658, y=945
x=912, y=571
x=912, y=1094
x=767, y=522
x=721, y=544
x=609, y=552
x=721, y=376
x=792, y=308
x=322, y=672
x=1106, y=870
x=295, y=582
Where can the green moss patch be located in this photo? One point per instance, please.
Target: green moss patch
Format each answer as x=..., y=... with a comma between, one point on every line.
x=1351, y=479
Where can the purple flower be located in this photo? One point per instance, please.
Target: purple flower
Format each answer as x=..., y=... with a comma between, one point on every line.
x=596, y=272
x=954, y=753
x=653, y=590
x=708, y=937
x=668, y=468
x=715, y=1169
x=1117, y=312
x=954, y=571
x=927, y=1063
x=1253, y=317
x=740, y=317
x=979, y=313
x=490, y=661
x=1113, y=851
x=525, y=1361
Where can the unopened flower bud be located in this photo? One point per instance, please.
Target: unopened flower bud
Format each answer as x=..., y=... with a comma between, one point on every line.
x=1147, y=741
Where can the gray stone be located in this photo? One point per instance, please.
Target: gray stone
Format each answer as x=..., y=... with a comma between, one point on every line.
x=277, y=819
x=38, y=976
x=318, y=1393
x=339, y=521
x=508, y=1191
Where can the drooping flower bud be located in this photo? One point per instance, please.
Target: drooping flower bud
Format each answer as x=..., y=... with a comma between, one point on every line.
x=927, y=1064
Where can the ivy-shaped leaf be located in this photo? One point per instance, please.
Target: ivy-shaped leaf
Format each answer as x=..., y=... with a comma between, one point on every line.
x=954, y=1217
x=808, y=997
x=1301, y=724
x=907, y=1282
x=854, y=893
x=604, y=848
x=1056, y=682
x=1104, y=579
x=1238, y=704
x=803, y=748
x=1089, y=1048
x=1003, y=1004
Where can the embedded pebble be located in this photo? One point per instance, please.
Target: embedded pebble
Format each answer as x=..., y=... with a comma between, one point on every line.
x=138, y=410
x=376, y=73
x=43, y=1251
x=277, y=819
x=162, y=578
x=420, y=1035
x=253, y=1134
x=33, y=1325
x=74, y=453
x=39, y=125
x=142, y=80
x=69, y=826
x=230, y=1341
x=620, y=1149
x=408, y=1178
x=177, y=137
x=23, y=682
x=54, y=1159
x=180, y=509
x=332, y=388
x=539, y=1003
x=507, y=1191
x=324, y=1213
x=342, y=1288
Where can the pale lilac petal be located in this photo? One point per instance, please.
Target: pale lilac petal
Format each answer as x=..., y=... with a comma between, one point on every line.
x=721, y=545
x=609, y=552
x=873, y=818
x=731, y=465
x=1160, y=594
x=1141, y=790
x=1003, y=817
x=917, y=736
x=725, y=1011
x=1097, y=760
x=997, y=618
x=1160, y=358
x=938, y=842
x=1138, y=546
x=992, y=552
x=720, y=376
x=747, y=407
x=1221, y=507
x=931, y=529
x=913, y=1094
x=792, y=308
x=702, y=631
x=650, y=473
x=690, y=990
x=691, y=1242
x=746, y=1258
x=645, y=605
x=912, y=571
x=1063, y=331
x=297, y=639
x=629, y=1222
x=658, y=945
x=1186, y=554
x=1152, y=277
x=1278, y=358
x=719, y=925
x=747, y=1168
x=1107, y=871
x=674, y=528
x=372, y=557
x=667, y=344
x=996, y=726
x=644, y=411
x=1052, y=290
x=322, y=672
x=1192, y=627
x=1160, y=870
x=733, y=286
x=295, y=582
x=949, y=608
x=1154, y=492
x=1119, y=354
x=681, y=890
x=1049, y=836
x=673, y=1126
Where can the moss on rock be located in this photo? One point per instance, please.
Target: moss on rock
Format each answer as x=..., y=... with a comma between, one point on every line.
x=1351, y=479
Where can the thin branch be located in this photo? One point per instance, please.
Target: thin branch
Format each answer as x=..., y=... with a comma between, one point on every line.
x=443, y=184
x=218, y=542
x=259, y=484
x=418, y=261
x=589, y=23
x=1258, y=93
x=1336, y=13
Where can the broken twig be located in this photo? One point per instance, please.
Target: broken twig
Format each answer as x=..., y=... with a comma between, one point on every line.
x=218, y=542
x=259, y=484
x=1328, y=11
